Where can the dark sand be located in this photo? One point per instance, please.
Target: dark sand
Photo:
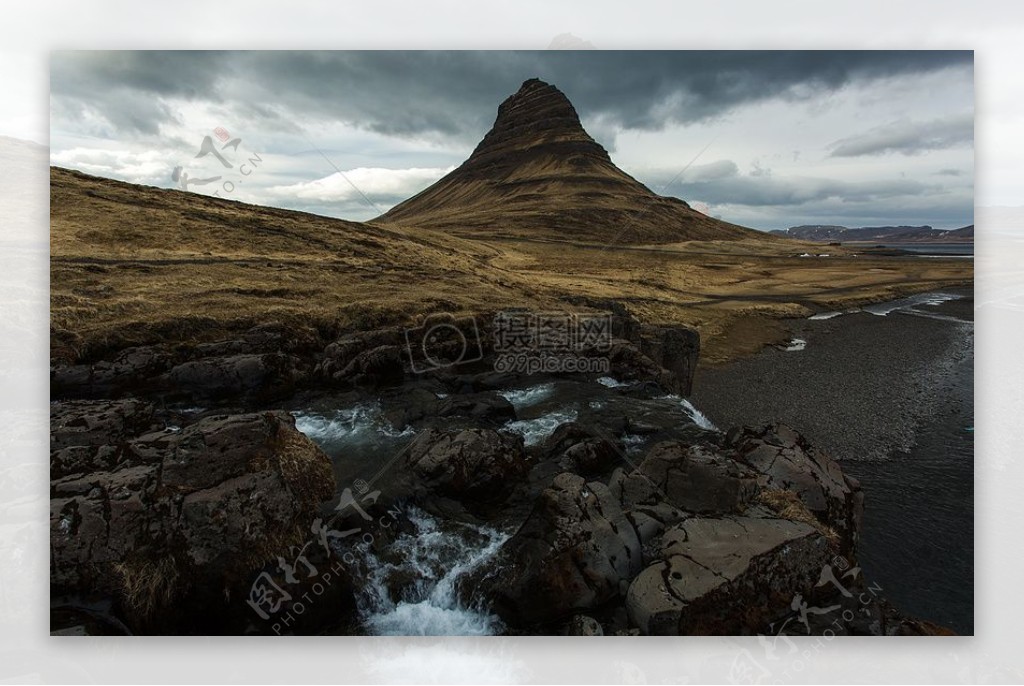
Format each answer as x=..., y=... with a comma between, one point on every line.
x=860, y=387
x=891, y=398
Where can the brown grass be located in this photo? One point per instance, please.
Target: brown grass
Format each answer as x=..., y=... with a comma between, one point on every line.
x=136, y=265
x=788, y=505
x=148, y=586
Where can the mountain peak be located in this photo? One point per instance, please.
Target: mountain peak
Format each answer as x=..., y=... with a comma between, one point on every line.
x=538, y=173
x=538, y=115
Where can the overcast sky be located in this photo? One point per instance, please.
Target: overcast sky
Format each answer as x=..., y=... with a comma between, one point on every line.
x=768, y=140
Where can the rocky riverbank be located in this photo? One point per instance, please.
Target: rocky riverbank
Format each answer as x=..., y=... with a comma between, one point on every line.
x=887, y=390
x=186, y=499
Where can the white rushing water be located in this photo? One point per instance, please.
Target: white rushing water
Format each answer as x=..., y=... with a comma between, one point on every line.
x=536, y=430
x=698, y=417
x=795, y=345
x=351, y=424
x=609, y=382
x=902, y=305
x=414, y=589
x=525, y=397
x=632, y=443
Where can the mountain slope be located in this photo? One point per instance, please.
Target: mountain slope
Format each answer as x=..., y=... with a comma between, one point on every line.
x=890, y=234
x=538, y=174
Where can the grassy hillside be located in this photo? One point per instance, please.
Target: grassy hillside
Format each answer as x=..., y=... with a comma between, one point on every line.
x=137, y=265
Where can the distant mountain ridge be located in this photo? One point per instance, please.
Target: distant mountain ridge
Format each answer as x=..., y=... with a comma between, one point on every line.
x=880, y=234
x=538, y=174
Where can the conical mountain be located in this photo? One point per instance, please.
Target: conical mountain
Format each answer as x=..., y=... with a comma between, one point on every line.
x=538, y=174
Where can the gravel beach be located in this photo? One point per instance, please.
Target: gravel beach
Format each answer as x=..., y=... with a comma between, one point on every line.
x=892, y=398
x=859, y=387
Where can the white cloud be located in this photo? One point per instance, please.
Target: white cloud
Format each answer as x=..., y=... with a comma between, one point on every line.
x=373, y=182
x=145, y=166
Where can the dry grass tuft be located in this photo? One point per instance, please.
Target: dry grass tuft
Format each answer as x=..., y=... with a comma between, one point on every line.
x=787, y=505
x=148, y=586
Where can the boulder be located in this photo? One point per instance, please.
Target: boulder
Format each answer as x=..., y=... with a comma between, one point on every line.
x=148, y=517
x=724, y=576
x=256, y=377
x=575, y=551
x=576, y=449
x=368, y=359
x=699, y=479
x=790, y=463
x=470, y=465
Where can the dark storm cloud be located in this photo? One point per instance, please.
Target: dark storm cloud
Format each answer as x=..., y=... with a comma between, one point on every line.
x=456, y=93
x=908, y=137
x=128, y=88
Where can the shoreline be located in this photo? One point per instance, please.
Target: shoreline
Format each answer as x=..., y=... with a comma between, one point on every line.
x=856, y=370
x=886, y=396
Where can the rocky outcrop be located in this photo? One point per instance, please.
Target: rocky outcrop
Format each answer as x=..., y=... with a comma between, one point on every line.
x=253, y=377
x=576, y=551
x=263, y=363
x=367, y=359
x=791, y=464
x=675, y=349
x=725, y=575
x=470, y=466
x=699, y=479
x=700, y=538
x=572, y=448
x=147, y=514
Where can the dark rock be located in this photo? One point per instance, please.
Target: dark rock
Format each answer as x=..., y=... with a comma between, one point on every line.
x=790, y=463
x=93, y=423
x=262, y=339
x=380, y=366
x=589, y=457
x=582, y=625
x=675, y=349
x=576, y=551
x=406, y=406
x=628, y=363
x=163, y=513
x=130, y=370
x=336, y=365
x=257, y=377
x=698, y=479
x=579, y=450
x=471, y=465
x=722, y=576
